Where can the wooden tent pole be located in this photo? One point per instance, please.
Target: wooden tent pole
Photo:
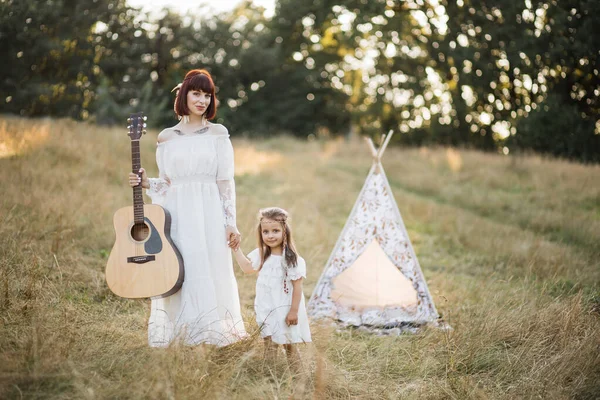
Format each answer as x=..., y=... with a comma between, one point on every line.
x=384, y=145
x=371, y=146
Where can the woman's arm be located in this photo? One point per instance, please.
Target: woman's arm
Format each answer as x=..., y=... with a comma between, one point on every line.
x=243, y=261
x=156, y=188
x=226, y=185
x=292, y=317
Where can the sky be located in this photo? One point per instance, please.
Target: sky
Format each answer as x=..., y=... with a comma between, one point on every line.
x=184, y=6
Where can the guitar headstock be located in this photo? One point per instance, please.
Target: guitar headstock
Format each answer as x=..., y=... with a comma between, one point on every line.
x=136, y=125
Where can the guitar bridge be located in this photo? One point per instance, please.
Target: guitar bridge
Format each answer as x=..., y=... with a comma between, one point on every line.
x=140, y=259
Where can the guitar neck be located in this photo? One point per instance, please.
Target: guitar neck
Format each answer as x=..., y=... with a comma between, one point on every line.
x=138, y=198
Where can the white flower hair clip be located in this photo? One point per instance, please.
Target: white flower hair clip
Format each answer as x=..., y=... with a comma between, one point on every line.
x=177, y=87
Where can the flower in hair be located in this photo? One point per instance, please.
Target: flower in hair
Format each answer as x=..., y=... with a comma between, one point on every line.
x=177, y=87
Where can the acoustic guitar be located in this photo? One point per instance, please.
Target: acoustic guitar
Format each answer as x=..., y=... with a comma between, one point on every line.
x=144, y=262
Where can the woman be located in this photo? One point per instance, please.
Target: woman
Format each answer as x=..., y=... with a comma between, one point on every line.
x=195, y=184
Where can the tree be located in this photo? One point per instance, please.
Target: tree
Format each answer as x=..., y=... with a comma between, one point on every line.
x=50, y=51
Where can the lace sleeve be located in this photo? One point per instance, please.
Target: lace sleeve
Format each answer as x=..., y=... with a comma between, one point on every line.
x=158, y=186
x=225, y=180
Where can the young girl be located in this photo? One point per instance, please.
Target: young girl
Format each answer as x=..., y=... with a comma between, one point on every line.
x=279, y=302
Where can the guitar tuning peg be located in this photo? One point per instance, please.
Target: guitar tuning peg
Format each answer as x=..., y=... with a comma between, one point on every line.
x=128, y=119
x=145, y=118
x=128, y=126
x=144, y=132
x=144, y=125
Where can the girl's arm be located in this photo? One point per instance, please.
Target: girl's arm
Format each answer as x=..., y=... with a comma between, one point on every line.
x=292, y=317
x=243, y=261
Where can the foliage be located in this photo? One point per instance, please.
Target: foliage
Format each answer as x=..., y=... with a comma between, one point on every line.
x=566, y=134
x=463, y=72
x=50, y=55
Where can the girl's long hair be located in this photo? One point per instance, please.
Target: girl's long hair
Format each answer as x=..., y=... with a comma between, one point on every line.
x=289, y=248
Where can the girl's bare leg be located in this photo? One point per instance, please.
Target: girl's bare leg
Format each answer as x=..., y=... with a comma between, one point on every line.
x=293, y=357
x=270, y=350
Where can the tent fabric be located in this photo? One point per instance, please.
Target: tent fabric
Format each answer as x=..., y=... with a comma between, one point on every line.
x=375, y=218
x=373, y=281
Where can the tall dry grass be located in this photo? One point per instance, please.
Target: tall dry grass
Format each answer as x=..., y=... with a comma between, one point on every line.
x=508, y=246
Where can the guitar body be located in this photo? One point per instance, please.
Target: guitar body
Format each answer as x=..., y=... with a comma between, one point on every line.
x=144, y=262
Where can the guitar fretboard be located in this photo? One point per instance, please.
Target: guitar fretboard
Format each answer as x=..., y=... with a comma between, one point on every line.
x=138, y=198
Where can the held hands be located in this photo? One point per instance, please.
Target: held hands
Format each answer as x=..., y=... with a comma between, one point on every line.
x=292, y=318
x=141, y=178
x=233, y=237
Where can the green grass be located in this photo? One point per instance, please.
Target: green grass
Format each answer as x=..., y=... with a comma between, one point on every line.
x=508, y=247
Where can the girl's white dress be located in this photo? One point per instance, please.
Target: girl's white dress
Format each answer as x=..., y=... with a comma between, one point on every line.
x=272, y=304
x=196, y=186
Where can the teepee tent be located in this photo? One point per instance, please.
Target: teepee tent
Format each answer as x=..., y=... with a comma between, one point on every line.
x=373, y=278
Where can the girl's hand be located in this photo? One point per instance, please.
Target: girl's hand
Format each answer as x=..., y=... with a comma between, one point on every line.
x=135, y=179
x=233, y=237
x=292, y=318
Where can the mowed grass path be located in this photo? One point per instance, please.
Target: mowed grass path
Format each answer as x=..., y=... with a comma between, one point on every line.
x=509, y=247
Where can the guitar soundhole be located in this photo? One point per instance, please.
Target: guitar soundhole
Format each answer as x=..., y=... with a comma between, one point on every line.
x=139, y=232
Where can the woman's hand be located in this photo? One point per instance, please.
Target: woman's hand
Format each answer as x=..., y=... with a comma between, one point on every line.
x=233, y=237
x=135, y=179
x=292, y=318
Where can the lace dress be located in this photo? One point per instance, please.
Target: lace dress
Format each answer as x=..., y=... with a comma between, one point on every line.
x=196, y=186
x=272, y=304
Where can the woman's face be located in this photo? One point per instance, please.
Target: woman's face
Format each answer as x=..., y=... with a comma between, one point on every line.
x=198, y=102
x=272, y=233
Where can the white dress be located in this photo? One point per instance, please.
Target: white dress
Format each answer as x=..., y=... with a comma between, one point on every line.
x=201, y=200
x=272, y=304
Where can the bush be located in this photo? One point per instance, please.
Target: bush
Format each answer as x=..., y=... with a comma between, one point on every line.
x=557, y=128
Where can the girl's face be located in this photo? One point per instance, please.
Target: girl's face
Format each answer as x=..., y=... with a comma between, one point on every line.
x=198, y=102
x=272, y=233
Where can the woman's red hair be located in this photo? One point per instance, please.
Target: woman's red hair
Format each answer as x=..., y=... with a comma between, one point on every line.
x=196, y=79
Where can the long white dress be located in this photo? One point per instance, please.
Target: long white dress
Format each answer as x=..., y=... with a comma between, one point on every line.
x=272, y=303
x=201, y=200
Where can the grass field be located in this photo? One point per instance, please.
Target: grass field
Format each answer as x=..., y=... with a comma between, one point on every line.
x=509, y=247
